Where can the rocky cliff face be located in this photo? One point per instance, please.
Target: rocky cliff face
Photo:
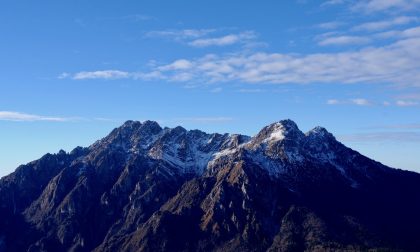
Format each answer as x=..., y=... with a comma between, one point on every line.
x=147, y=188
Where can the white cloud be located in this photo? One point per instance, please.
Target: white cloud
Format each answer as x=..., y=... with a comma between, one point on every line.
x=63, y=75
x=369, y=6
x=344, y=40
x=365, y=102
x=200, y=37
x=25, y=117
x=181, y=64
x=397, y=64
x=356, y=101
x=180, y=34
x=360, y=102
x=104, y=74
x=221, y=41
x=181, y=77
x=224, y=40
x=330, y=25
x=412, y=32
x=411, y=126
x=332, y=2
x=129, y=18
x=253, y=90
x=404, y=103
x=22, y=117
x=335, y=38
x=410, y=96
x=381, y=137
x=381, y=25
x=333, y=102
x=153, y=75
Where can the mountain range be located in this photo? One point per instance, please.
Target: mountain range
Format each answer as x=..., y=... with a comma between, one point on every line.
x=148, y=188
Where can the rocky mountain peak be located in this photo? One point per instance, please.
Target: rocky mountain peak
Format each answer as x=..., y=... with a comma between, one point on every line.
x=153, y=126
x=178, y=130
x=132, y=134
x=130, y=128
x=130, y=124
x=319, y=133
x=144, y=188
x=284, y=130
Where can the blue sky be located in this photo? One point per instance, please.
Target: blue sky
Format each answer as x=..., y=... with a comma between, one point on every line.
x=74, y=70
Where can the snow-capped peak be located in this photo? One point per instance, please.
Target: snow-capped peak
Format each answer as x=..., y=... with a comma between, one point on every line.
x=276, y=132
x=318, y=130
x=319, y=133
x=276, y=145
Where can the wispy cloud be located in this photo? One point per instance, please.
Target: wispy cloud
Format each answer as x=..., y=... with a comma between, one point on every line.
x=202, y=37
x=365, y=102
x=344, y=40
x=251, y=90
x=409, y=96
x=412, y=32
x=405, y=103
x=381, y=137
x=360, y=102
x=180, y=35
x=332, y=2
x=355, y=101
x=129, y=18
x=229, y=39
x=335, y=39
x=103, y=74
x=15, y=116
x=385, y=24
x=63, y=75
x=23, y=117
x=181, y=64
x=411, y=126
x=369, y=6
x=398, y=63
x=333, y=102
x=394, y=64
x=393, y=61
x=330, y=25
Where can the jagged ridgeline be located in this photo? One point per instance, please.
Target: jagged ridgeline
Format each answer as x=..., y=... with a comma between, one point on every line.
x=147, y=188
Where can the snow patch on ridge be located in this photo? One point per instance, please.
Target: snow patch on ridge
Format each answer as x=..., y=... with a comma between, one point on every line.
x=277, y=133
x=277, y=148
x=274, y=167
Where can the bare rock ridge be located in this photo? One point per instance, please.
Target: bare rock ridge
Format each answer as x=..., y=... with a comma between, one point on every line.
x=148, y=188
